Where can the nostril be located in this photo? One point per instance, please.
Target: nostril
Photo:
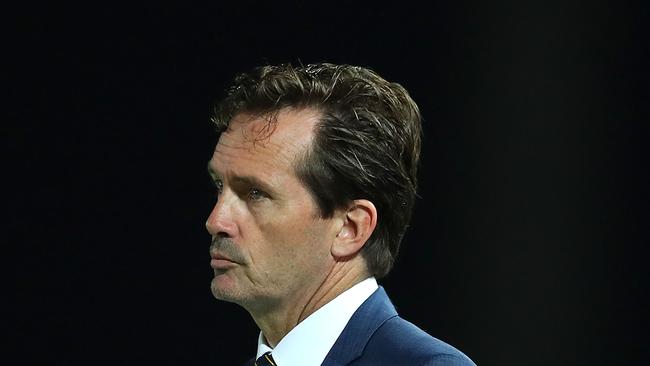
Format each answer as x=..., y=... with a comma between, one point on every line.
x=221, y=224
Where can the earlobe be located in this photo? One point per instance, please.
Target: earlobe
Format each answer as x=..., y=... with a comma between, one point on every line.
x=358, y=224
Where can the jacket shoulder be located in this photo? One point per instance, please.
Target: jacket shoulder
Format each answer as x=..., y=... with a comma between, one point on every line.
x=400, y=342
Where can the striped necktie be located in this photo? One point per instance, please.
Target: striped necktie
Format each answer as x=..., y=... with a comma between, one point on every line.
x=265, y=360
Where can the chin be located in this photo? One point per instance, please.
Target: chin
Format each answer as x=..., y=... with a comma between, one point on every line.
x=221, y=290
x=225, y=289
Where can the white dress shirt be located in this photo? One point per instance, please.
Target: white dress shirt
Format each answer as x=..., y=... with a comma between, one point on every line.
x=311, y=340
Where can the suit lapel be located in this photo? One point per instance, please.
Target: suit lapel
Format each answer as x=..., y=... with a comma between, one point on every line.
x=363, y=324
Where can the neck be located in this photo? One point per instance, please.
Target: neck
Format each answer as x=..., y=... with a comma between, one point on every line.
x=275, y=324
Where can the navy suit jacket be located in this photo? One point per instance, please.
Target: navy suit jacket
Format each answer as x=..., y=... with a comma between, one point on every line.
x=376, y=336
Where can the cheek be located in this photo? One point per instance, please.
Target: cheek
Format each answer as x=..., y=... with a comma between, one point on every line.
x=281, y=221
x=289, y=240
x=270, y=240
x=287, y=236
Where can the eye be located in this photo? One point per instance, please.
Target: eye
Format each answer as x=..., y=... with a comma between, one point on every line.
x=218, y=185
x=255, y=194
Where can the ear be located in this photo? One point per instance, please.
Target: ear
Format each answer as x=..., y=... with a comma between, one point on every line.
x=359, y=222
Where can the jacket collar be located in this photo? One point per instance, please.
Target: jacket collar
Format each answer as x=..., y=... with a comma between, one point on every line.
x=363, y=324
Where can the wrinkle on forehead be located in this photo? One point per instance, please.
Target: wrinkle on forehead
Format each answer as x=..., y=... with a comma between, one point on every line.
x=267, y=158
x=239, y=148
x=283, y=134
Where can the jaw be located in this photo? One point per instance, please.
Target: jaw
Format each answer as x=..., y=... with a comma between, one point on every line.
x=276, y=319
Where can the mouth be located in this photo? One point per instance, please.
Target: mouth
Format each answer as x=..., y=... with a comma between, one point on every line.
x=221, y=262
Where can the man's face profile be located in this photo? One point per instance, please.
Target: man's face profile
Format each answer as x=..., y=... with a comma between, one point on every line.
x=269, y=243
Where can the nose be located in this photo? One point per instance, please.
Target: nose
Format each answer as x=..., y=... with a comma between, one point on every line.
x=221, y=221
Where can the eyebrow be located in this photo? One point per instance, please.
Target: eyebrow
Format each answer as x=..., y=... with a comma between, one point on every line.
x=244, y=179
x=211, y=172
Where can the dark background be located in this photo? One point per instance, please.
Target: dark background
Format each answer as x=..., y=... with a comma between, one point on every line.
x=529, y=242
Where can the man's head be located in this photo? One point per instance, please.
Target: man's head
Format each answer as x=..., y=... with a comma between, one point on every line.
x=364, y=142
x=270, y=246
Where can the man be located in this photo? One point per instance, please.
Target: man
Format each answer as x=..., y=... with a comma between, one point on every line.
x=315, y=172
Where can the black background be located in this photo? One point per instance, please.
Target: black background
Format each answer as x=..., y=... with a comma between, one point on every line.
x=529, y=242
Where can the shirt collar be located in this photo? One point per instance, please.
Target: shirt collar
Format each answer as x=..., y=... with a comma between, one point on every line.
x=309, y=342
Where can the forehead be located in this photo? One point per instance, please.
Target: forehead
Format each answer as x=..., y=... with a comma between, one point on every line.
x=253, y=142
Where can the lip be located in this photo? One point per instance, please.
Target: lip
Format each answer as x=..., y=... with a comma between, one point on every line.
x=219, y=261
x=222, y=264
